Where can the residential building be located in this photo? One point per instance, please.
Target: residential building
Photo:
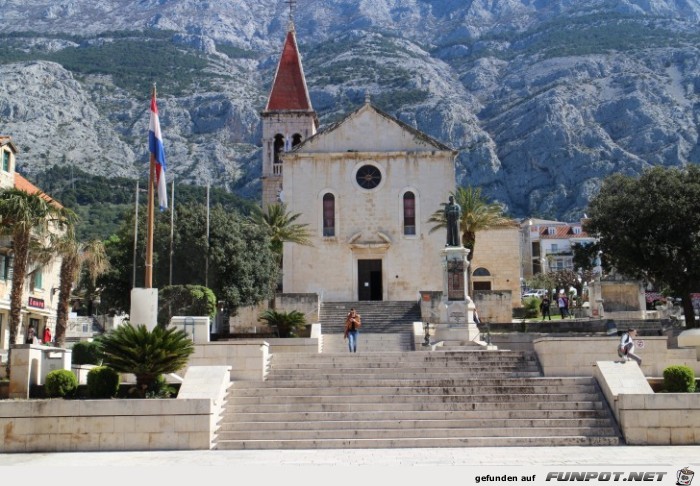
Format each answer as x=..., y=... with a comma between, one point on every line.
x=40, y=296
x=547, y=246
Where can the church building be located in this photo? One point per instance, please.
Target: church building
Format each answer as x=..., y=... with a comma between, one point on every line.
x=365, y=186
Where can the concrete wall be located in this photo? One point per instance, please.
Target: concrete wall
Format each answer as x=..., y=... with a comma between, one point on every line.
x=494, y=305
x=185, y=423
x=646, y=418
x=31, y=363
x=498, y=251
x=576, y=356
x=247, y=358
x=304, y=303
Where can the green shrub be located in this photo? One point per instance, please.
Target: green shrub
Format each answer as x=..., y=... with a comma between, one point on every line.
x=160, y=389
x=532, y=307
x=60, y=383
x=102, y=382
x=679, y=379
x=86, y=353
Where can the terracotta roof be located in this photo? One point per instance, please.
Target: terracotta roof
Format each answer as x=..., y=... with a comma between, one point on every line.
x=289, y=90
x=24, y=185
x=562, y=232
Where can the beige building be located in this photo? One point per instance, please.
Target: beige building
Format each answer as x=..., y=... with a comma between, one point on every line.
x=496, y=263
x=40, y=296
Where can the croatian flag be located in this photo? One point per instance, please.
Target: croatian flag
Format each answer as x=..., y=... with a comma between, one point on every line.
x=155, y=144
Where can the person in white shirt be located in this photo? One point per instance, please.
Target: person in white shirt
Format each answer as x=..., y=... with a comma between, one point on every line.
x=626, y=348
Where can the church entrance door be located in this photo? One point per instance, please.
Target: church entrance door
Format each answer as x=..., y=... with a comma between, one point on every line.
x=369, y=279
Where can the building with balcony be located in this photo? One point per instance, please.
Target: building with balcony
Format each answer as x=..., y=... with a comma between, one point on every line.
x=547, y=246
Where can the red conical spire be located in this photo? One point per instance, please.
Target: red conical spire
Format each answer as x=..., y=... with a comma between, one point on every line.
x=289, y=87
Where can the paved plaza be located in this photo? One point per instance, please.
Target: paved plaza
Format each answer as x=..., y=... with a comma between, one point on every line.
x=464, y=466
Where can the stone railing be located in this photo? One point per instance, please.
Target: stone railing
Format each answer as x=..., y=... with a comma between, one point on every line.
x=646, y=418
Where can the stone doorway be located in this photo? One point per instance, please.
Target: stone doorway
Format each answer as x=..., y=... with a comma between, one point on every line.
x=369, y=279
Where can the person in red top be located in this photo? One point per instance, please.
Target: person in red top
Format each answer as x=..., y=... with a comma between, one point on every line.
x=47, y=335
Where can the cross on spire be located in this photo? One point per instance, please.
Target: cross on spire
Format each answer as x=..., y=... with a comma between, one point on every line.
x=292, y=5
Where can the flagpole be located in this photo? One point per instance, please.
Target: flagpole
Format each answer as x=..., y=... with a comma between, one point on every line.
x=151, y=213
x=206, y=262
x=172, y=229
x=136, y=232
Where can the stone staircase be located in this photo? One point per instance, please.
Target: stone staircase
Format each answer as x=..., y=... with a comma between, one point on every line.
x=369, y=343
x=378, y=317
x=413, y=399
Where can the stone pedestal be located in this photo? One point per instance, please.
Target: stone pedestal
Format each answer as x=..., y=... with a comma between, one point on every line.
x=456, y=324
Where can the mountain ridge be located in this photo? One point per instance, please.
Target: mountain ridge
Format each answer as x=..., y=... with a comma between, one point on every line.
x=542, y=99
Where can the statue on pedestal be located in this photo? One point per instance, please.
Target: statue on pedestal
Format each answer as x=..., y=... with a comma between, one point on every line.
x=452, y=215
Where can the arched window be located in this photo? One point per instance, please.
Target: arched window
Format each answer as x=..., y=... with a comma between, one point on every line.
x=296, y=140
x=409, y=213
x=278, y=147
x=481, y=272
x=328, y=214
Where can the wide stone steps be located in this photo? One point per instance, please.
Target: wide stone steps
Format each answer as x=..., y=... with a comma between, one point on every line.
x=377, y=316
x=447, y=402
x=305, y=419
x=253, y=396
x=413, y=399
x=417, y=424
x=419, y=442
x=368, y=342
x=343, y=432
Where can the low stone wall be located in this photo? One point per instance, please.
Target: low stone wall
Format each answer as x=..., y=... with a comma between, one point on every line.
x=247, y=358
x=294, y=345
x=493, y=305
x=646, y=418
x=576, y=356
x=185, y=423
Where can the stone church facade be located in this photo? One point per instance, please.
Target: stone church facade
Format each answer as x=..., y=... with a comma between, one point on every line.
x=365, y=186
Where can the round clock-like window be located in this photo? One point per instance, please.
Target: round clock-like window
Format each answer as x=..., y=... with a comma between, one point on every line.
x=368, y=177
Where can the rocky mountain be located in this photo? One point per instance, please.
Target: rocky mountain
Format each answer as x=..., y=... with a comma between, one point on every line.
x=543, y=99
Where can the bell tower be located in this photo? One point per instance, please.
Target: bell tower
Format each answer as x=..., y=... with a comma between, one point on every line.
x=287, y=120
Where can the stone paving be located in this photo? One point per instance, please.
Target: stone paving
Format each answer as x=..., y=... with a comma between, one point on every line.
x=671, y=456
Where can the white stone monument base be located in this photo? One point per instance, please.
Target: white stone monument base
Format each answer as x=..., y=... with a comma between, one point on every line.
x=456, y=334
x=690, y=338
x=144, y=308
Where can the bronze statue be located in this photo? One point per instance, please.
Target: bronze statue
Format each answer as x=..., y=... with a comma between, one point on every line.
x=452, y=216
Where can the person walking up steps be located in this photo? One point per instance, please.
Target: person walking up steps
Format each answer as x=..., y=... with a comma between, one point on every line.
x=353, y=321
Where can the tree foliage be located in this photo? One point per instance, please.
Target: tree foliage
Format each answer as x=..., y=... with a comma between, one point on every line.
x=649, y=228
x=237, y=262
x=185, y=300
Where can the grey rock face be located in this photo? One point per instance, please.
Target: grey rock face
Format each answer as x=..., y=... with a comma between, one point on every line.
x=542, y=99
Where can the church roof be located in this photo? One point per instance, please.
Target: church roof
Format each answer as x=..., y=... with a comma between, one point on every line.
x=423, y=137
x=289, y=90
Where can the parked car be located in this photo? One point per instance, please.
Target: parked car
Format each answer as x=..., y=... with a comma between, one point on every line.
x=539, y=293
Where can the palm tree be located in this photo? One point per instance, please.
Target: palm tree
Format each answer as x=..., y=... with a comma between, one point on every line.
x=288, y=324
x=477, y=215
x=89, y=257
x=281, y=226
x=145, y=354
x=25, y=217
